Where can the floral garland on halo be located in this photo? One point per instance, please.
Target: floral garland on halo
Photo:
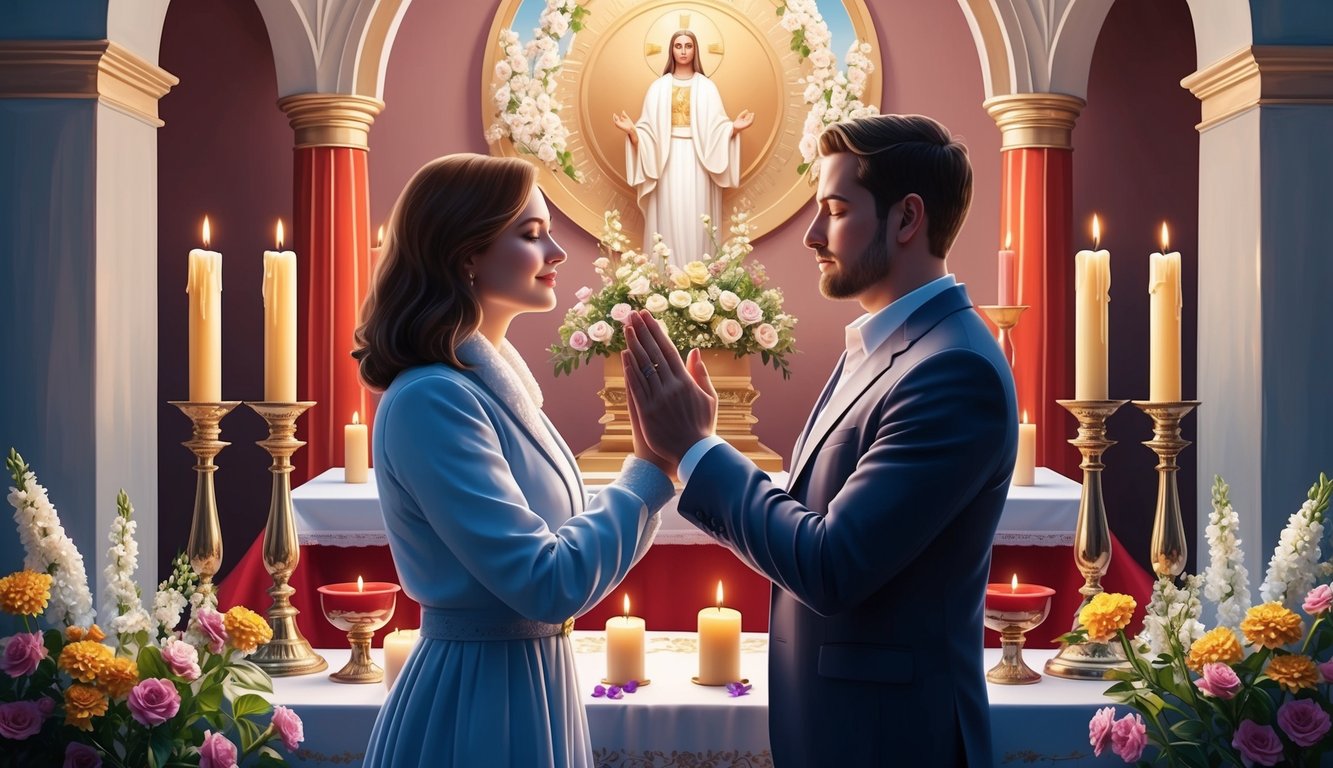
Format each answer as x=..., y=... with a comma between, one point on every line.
x=527, y=111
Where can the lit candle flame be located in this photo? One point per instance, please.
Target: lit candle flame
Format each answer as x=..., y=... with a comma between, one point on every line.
x=719, y=594
x=1013, y=585
x=626, y=605
x=279, y=238
x=1025, y=415
x=1008, y=238
x=360, y=585
x=1166, y=238
x=207, y=232
x=356, y=417
x=379, y=238
x=1096, y=232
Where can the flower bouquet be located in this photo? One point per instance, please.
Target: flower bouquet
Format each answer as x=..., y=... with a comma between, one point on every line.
x=144, y=695
x=1255, y=689
x=716, y=302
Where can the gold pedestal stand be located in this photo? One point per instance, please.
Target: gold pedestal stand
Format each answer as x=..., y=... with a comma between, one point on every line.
x=1169, y=548
x=735, y=397
x=1092, y=542
x=360, y=668
x=205, y=546
x=1005, y=318
x=288, y=653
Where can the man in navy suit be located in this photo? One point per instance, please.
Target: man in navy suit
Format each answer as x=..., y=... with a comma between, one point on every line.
x=879, y=546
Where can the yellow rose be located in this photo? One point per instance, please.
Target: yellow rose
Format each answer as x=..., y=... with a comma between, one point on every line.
x=25, y=593
x=678, y=278
x=1271, y=625
x=1105, y=614
x=697, y=271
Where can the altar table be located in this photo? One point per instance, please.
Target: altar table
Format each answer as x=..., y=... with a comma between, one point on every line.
x=672, y=722
x=342, y=536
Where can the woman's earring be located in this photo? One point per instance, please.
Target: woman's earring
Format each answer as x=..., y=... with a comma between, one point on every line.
x=471, y=278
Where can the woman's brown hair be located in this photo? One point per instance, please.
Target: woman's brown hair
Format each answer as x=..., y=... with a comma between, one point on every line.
x=695, y=63
x=421, y=302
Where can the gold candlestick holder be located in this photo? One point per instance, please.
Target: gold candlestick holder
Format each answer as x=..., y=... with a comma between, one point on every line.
x=1090, y=660
x=205, y=545
x=288, y=653
x=1005, y=318
x=1013, y=622
x=1169, y=548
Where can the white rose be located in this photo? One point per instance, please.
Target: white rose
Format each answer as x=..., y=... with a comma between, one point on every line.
x=680, y=299
x=765, y=335
x=546, y=153
x=749, y=312
x=728, y=300
x=701, y=311
x=601, y=332
x=657, y=303
x=620, y=312
x=623, y=271
x=503, y=70
x=729, y=331
x=639, y=286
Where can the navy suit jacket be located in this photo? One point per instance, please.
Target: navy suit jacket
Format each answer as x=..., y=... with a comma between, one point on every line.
x=879, y=548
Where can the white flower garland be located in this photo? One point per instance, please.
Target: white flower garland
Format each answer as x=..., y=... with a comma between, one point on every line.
x=527, y=111
x=832, y=96
x=47, y=549
x=1295, y=561
x=1226, y=580
x=122, y=601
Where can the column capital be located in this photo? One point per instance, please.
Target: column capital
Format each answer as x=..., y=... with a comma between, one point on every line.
x=1262, y=75
x=1035, y=119
x=331, y=119
x=84, y=69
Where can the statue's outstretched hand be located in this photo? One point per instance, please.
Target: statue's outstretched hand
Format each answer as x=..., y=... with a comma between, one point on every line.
x=623, y=122
x=744, y=120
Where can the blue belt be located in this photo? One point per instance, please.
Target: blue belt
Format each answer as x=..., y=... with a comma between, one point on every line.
x=438, y=625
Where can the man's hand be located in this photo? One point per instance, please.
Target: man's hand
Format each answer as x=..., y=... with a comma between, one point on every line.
x=675, y=402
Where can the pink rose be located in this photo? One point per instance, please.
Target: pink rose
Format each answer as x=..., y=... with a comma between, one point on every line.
x=729, y=331
x=23, y=652
x=288, y=725
x=1258, y=743
x=212, y=628
x=749, y=312
x=154, y=701
x=620, y=312
x=1128, y=738
x=583, y=294
x=81, y=756
x=1304, y=721
x=47, y=705
x=20, y=719
x=1326, y=671
x=1318, y=600
x=601, y=331
x=579, y=341
x=1099, y=729
x=216, y=751
x=1219, y=681
x=766, y=335
x=182, y=658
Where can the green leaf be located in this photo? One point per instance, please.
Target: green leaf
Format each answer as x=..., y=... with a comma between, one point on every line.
x=250, y=704
x=249, y=733
x=160, y=746
x=151, y=664
x=245, y=675
x=209, y=698
x=802, y=168
x=1190, y=730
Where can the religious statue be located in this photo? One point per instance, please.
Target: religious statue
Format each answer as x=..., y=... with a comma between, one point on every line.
x=682, y=152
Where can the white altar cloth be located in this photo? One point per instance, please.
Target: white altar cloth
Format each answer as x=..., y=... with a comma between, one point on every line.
x=331, y=512
x=673, y=722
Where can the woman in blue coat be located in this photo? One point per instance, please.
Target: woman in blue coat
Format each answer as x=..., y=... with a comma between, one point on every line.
x=482, y=501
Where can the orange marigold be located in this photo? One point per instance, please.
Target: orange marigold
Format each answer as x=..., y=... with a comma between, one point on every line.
x=25, y=593
x=246, y=629
x=73, y=634
x=1293, y=672
x=84, y=660
x=1106, y=613
x=1218, y=644
x=118, y=676
x=82, y=704
x=1272, y=625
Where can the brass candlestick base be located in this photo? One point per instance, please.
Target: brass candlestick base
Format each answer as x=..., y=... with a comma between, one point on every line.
x=288, y=653
x=1169, y=548
x=1092, y=542
x=1005, y=318
x=205, y=545
x=1013, y=626
x=359, y=668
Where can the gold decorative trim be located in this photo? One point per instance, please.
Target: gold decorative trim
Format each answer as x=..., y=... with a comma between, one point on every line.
x=1035, y=119
x=84, y=69
x=1262, y=75
x=331, y=119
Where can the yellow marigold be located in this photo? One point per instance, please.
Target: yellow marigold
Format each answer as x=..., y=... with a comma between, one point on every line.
x=84, y=660
x=1106, y=613
x=118, y=676
x=1293, y=672
x=25, y=593
x=1271, y=625
x=1219, y=644
x=82, y=704
x=73, y=634
x=246, y=629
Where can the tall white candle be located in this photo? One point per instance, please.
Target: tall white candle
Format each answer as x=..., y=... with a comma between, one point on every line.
x=1165, y=300
x=279, y=292
x=1025, y=468
x=204, y=286
x=719, y=644
x=1008, y=291
x=624, y=648
x=1092, y=297
x=356, y=451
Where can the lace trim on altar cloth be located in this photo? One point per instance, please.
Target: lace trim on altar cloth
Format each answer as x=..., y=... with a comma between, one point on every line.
x=657, y=758
x=1034, y=538
x=344, y=539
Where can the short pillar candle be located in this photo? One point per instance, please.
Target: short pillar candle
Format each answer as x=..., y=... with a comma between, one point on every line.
x=398, y=646
x=719, y=644
x=624, y=648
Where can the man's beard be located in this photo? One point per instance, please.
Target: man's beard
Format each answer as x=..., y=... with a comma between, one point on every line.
x=849, y=278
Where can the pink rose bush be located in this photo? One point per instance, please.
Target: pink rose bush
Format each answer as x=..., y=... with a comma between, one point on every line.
x=289, y=727
x=1099, y=729
x=20, y=719
x=154, y=701
x=715, y=301
x=1304, y=721
x=1219, y=681
x=182, y=659
x=23, y=652
x=1257, y=744
x=217, y=751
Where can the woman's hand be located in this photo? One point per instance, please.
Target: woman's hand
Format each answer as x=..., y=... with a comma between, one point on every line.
x=641, y=448
x=675, y=402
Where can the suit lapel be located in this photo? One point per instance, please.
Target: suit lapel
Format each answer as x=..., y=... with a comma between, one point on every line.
x=875, y=366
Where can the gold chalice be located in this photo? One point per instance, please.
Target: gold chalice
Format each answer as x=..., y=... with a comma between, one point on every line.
x=359, y=608
x=1012, y=610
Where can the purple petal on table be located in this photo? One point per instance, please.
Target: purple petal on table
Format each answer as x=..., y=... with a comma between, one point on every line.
x=598, y=691
x=738, y=689
x=614, y=692
x=631, y=686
